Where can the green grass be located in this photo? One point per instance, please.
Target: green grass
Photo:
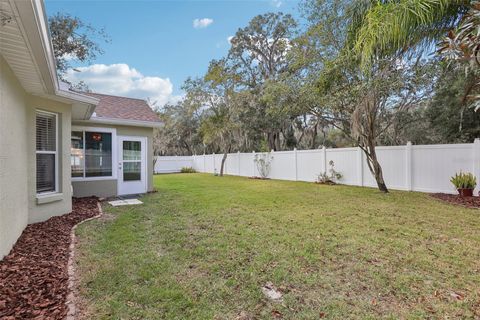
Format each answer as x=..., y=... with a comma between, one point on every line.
x=203, y=246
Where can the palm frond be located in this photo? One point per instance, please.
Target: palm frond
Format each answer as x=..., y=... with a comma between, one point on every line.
x=391, y=26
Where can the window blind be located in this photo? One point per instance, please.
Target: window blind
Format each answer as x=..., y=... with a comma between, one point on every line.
x=46, y=145
x=46, y=132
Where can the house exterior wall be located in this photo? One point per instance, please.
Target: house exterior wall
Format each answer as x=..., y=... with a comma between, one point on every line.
x=108, y=188
x=60, y=203
x=13, y=159
x=18, y=199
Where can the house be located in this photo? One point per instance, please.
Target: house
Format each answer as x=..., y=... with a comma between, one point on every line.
x=56, y=143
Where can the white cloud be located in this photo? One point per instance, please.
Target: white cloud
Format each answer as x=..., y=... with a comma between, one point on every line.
x=229, y=39
x=202, y=23
x=276, y=3
x=122, y=80
x=69, y=57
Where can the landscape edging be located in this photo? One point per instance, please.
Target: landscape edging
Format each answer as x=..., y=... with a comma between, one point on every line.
x=72, y=311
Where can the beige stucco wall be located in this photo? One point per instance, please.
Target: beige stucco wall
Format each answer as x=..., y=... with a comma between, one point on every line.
x=108, y=188
x=99, y=188
x=41, y=212
x=18, y=200
x=13, y=159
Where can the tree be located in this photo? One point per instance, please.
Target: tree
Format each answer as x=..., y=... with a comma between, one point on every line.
x=217, y=128
x=364, y=107
x=362, y=103
x=73, y=39
x=179, y=133
x=257, y=56
x=388, y=28
x=219, y=125
x=449, y=118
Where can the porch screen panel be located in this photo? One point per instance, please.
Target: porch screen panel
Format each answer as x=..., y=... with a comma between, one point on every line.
x=77, y=157
x=98, y=154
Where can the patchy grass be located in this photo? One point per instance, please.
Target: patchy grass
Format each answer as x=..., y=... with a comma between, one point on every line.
x=203, y=246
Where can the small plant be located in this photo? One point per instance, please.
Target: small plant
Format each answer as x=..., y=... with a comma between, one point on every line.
x=464, y=183
x=188, y=170
x=331, y=177
x=263, y=162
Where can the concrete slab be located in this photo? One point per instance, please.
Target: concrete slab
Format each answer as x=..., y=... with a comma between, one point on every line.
x=126, y=202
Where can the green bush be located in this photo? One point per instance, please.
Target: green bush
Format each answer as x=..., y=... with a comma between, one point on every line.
x=188, y=170
x=464, y=180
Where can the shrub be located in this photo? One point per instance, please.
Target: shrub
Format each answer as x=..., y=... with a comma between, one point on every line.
x=332, y=178
x=464, y=180
x=263, y=162
x=188, y=170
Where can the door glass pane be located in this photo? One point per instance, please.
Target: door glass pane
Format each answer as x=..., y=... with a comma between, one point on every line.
x=98, y=154
x=132, y=171
x=76, y=154
x=132, y=150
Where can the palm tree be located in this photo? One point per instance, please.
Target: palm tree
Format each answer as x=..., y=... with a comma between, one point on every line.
x=387, y=27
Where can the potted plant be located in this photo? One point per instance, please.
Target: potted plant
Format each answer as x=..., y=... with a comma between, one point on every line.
x=464, y=183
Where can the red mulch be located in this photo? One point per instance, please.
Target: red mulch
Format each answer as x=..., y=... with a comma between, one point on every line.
x=470, y=202
x=33, y=277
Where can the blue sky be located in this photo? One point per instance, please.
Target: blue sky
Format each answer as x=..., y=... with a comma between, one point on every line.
x=154, y=44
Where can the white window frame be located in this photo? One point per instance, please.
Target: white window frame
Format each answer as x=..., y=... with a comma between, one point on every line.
x=113, y=131
x=38, y=111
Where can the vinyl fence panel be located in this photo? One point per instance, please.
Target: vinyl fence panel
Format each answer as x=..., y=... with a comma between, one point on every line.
x=172, y=164
x=425, y=168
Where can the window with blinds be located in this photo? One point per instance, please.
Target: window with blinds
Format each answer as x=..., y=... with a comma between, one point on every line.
x=46, y=150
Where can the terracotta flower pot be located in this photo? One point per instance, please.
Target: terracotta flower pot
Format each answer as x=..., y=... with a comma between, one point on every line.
x=465, y=192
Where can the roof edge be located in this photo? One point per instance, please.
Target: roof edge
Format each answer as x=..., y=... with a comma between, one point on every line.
x=124, y=122
x=33, y=24
x=77, y=97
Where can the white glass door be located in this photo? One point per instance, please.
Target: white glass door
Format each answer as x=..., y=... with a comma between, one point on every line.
x=132, y=177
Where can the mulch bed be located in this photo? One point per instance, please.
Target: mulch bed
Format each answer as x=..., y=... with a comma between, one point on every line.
x=469, y=202
x=33, y=277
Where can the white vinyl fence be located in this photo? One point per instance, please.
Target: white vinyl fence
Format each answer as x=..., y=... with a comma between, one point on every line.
x=425, y=168
x=172, y=164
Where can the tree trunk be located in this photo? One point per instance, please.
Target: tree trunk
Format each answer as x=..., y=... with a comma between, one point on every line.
x=314, y=136
x=223, y=163
x=271, y=140
x=277, y=142
x=375, y=168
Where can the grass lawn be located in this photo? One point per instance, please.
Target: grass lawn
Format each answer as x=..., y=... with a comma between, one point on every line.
x=203, y=246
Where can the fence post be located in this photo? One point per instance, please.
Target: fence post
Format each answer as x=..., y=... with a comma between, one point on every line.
x=204, y=163
x=253, y=162
x=238, y=157
x=408, y=165
x=360, y=166
x=296, y=164
x=324, y=157
x=214, y=169
x=476, y=161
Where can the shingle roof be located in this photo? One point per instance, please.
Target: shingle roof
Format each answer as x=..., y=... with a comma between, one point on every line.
x=114, y=107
